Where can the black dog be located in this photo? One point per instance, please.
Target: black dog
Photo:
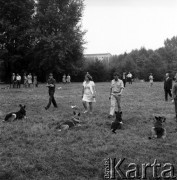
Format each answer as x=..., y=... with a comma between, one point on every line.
x=158, y=131
x=16, y=115
x=117, y=124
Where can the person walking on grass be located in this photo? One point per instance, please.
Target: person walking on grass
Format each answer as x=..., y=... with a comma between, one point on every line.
x=174, y=96
x=167, y=86
x=116, y=89
x=51, y=85
x=88, y=93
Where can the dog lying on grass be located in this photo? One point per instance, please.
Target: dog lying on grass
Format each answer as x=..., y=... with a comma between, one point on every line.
x=117, y=124
x=158, y=131
x=16, y=115
x=65, y=125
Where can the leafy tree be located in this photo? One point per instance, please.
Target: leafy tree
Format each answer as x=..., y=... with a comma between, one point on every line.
x=15, y=25
x=58, y=38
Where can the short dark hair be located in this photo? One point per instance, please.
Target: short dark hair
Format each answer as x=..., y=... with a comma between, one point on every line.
x=116, y=74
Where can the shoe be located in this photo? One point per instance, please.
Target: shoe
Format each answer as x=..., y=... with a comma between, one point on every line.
x=45, y=108
x=55, y=106
x=110, y=116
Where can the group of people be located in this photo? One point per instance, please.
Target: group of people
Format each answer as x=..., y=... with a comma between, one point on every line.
x=66, y=79
x=26, y=80
x=116, y=89
x=89, y=93
x=127, y=78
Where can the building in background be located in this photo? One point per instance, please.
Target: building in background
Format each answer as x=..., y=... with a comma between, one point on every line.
x=100, y=57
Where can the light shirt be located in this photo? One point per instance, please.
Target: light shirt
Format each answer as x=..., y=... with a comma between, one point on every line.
x=129, y=75
x=18, y=78
x=116, y=86
x=151, y=77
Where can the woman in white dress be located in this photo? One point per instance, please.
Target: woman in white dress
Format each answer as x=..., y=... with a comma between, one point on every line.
x=88, y=93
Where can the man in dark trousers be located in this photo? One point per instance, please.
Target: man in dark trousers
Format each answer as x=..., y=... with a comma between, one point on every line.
x=167, y=86
x=51, y=85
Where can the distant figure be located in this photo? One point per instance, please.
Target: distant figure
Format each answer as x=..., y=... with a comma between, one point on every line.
x=68, y=78
x=88, y=93
x=25, y=80
x=29, y=77
x=124, y=78
x=151, y=78
x=64, y=79
x=18, y=78
x=174, y=95
x=13, y=80
x=167, y=86
x=51, y=85
x=35, y=83
x=129, y=78
x=116, y=89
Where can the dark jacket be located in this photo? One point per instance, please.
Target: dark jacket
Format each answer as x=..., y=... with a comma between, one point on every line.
x=168, y=84
x=51, y=81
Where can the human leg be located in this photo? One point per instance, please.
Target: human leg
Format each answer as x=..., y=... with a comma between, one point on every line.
x=113, y=105
x=118, y=99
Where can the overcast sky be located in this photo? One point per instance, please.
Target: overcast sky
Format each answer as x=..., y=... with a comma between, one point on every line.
x=118, y=26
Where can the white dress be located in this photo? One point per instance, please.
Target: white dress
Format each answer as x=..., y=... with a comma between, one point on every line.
x=89, y=88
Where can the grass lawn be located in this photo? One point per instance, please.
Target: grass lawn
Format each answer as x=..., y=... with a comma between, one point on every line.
x=31, y=149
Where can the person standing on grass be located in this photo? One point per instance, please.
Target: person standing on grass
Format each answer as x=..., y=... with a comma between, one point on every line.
x=51, y=85
x=64, y=79
x=151, y=78
x=13, y=80
x=35, y=83
x=167, y=86
x=29, y=77
x=25, y=80
x=116, y=89
x=68, y=79
x=18, y=78
x=124, y=78
x=174, y=95
x=88, y=93
x=129, y=77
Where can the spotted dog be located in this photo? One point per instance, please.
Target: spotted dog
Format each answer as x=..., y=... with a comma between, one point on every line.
x=16, y=115
x=73, y=122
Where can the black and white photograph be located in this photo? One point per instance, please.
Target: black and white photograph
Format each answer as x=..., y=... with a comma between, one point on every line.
x=88, y=89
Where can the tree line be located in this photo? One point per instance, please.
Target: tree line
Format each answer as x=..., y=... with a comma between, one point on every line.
x=140, y=63
x=43, y=36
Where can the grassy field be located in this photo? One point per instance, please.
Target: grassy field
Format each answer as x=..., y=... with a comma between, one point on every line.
x=31, y=149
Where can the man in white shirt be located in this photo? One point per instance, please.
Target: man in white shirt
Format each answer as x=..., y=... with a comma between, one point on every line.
x=116, y=89
x=18, y=78
x=129, y=77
